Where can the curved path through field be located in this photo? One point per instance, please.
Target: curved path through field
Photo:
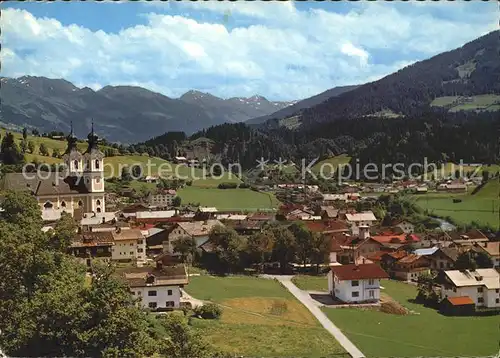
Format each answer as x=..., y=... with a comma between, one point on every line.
x=320, y=316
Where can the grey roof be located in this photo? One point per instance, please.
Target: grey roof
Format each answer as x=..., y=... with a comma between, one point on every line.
x=51, y=184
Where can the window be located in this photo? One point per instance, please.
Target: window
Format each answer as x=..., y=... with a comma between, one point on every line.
x=140, y=250
x=131, y=253
x=75, y=163
x=152, y=304
x=170, y=304
x=98, y=202
x=80, y=203
x=371, y=282
x=131, y=244
x=139, y=293
x=497, y=300
x=151, y=293
x=354, y=283
x=48, y=205
x=479, y=289
x=97, y=163
x=98, y=210
x=169, y=292
x=371, y=293
x=63, y=204
x=355, y=294
x=480, y=300
x=139, y=242
x=497, y=290
x=97, y=180
x=133, y=293
x=454, y=289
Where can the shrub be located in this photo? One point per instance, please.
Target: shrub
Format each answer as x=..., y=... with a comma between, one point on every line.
x=208, y=311
x=227, y=186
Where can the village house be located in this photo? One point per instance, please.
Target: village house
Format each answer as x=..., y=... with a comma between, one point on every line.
x=406, y=226
x=443, y=258
x=198, y=230
x=356, y=220
x=231, y=217
x=154, y=217
x=152, y=179
x=180, y=160
x=130, y=246
x=492, y=249
x=329, y=199
x=410, y=267
x=92, y=245
x=356, y=283
x=329, y=213
x=157, y=288
x=482, y=286
x=469, y=238
x=162, y=197
x=453, y=187
x=355, y=248
x=205, y=213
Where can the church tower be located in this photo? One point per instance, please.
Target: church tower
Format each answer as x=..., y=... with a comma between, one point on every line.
x=72, y=157
x=93, y=173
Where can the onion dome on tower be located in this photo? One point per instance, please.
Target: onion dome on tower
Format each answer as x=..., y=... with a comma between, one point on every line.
x=72, y=157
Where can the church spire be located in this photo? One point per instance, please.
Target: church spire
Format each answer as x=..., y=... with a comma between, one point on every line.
x=92, y=138
x=72, y=140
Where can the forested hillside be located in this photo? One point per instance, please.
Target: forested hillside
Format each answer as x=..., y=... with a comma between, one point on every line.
x=470, y=70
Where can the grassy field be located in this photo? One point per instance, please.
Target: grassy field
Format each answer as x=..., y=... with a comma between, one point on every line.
x=311, y=283
x=481, y=207
x=426, y=333
x=228, y=199
x=260, y=319
x=478, y=103
x=331, y=163
x=449, y=169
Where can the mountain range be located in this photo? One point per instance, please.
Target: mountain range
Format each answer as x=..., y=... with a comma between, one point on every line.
x=464, y=80
x=122, y=113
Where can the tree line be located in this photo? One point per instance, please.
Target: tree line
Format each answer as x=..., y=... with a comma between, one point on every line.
x=228, y=252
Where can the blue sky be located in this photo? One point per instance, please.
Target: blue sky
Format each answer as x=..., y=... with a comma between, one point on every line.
x=281, y=50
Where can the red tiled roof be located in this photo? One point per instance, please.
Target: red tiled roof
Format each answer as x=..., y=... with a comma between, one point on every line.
x=397, y=254
x=459, y=301
x=388, y=238
x=322, y=226
x=409, y=259
x=359, y=272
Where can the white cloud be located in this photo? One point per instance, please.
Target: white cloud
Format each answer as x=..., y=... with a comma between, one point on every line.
x=350, y=50
x=283, y=54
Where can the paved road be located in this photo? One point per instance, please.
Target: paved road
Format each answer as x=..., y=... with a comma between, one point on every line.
x=320, y=316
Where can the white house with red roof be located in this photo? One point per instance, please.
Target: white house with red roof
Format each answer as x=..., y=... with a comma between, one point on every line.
x=355, y=283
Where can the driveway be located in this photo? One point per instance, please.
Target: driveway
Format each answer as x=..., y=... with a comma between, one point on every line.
x=186, y=297
x=312, y=306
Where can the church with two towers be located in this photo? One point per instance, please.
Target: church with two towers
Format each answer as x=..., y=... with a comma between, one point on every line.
x=79, y=188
